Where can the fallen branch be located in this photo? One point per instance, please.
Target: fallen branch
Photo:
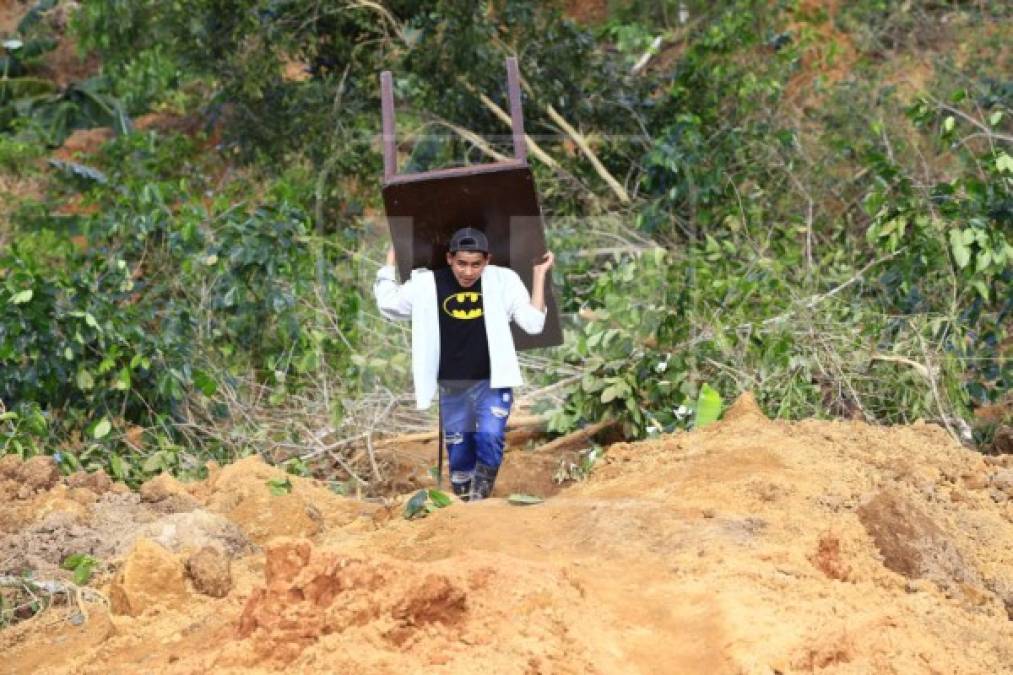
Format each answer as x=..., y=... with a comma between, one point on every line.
x=533, y=147
x=919, y=368
x=76, y=595
x=985, y=129
x=645, y=58
x=475, y=140
x=581, y=141
x=579, y=437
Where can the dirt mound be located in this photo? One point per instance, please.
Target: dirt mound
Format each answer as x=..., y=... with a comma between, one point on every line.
x=750, y=546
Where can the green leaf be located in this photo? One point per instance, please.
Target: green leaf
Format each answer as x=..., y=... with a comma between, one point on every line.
x=439, y=498
x=82, y=573
x=416, y=505
x=117, y=467
x=995, y=118
x=982, y=289
x=614, y=391
x=949, y=123
x=73, y=560
x=21, y=297
x=520, y=499
x=102, y=429
x=280, y=487
x=983, y=260
x=1004, y=163
x=85, y=381
x=122, y=382
x=961, y=253
x=205, y=383
x=708, y=406
x=154, y=463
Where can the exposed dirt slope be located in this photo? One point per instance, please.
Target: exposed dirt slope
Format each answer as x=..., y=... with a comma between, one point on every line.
x=747, y=547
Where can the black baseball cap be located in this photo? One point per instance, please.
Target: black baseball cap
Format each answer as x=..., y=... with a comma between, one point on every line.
x=469, y=239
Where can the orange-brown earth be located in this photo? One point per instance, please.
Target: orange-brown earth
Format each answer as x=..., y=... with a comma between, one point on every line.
x=749, y=546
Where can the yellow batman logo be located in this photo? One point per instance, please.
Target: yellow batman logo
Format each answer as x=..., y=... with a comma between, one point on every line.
x=466, y=305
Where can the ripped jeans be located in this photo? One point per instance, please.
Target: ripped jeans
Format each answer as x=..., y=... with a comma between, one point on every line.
x=474, y=425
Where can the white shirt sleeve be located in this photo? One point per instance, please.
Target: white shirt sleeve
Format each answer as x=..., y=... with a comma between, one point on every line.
x=518, y=302
x=392, y=299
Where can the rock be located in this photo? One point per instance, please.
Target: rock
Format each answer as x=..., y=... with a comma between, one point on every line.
x=82, y=495
x=195, y=530
x=151, y=576
x=97, y=481
x=8, y=490
x=39, y=473
x=210, y=571
x=1002, y=442
x=9, y=465
x=1003, y=480
x=976, y=479
x=60, y=500
x=167, y=495
x=162, y=487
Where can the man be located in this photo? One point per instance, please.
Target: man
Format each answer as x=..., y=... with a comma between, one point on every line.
x=462, y=345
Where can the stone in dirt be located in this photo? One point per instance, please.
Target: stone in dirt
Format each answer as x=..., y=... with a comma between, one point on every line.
x=162, y=487
x=194, y=530
x=1003, y=480
x=98, y=482
x=150, y=577
x=1003, y=440
x=210, y=571
x=39, y=473
x=9, y=465
x=168, y=495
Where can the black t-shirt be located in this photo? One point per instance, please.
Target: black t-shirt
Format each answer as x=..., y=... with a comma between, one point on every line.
x=464, y=346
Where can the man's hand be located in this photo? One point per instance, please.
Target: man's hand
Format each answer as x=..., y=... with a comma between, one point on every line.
x=391, y=259
x=542, y=267
x=539, y=271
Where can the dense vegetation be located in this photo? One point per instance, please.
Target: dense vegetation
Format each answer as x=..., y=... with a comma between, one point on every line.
x=809, y=200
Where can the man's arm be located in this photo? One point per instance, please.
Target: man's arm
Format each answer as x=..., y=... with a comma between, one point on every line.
x=528, y=311
x=392, y=299
x=539, y=272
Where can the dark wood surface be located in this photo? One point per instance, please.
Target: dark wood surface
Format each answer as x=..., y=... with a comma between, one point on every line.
x=424, y=210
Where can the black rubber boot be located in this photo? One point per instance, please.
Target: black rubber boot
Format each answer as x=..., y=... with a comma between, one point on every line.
x=483, y=482
x=460, y=483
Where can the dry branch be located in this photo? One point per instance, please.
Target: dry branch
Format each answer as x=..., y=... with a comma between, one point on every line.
x=575, y=438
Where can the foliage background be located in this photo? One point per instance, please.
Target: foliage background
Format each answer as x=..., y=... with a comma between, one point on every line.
x=810, y=200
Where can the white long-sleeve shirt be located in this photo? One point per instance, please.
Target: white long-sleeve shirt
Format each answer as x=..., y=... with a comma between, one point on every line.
x=504, y=299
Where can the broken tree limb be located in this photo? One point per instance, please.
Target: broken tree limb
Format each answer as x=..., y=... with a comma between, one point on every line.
x=582, y=143
x=576, y=438
x=475, y=140
x=533, y=147
x=76, y=595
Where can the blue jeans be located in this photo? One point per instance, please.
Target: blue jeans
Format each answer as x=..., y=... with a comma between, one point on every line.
x=474, y=425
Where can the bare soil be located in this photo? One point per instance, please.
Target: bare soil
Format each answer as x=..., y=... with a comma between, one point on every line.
x=749, y=546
